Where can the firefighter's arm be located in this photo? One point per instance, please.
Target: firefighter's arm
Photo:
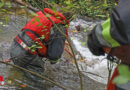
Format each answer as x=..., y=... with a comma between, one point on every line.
x=121, y=52
x=113, y=32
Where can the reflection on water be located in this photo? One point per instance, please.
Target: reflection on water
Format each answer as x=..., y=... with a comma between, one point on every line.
x=62, y=72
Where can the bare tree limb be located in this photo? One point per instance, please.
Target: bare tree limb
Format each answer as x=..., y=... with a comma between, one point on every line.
x=36, y=74
x=24, y=4
x=50, y=5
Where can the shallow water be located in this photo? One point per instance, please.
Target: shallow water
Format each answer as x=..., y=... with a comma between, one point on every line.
x=90, y=63
x=63, y=72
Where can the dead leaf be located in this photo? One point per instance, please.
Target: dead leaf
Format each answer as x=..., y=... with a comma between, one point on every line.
x=82, y=60
x=75, y=31
x=73, y=61
x=4, y=60
x=23, y=86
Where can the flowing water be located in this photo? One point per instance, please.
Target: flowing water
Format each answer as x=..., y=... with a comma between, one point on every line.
x=63, y=72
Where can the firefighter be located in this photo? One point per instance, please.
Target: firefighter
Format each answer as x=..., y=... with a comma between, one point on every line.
x=40, y=38
x=113, y=37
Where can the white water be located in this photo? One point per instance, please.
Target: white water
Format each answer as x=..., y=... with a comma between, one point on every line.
x=91, y=63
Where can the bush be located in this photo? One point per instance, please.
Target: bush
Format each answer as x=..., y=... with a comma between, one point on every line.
x=91, y=8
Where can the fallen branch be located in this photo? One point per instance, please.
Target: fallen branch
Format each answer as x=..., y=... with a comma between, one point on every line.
x=47, y=79
x=24, y=4
x=50, y=5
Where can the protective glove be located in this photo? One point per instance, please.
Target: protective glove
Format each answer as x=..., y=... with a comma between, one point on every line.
x=93, y=44
x=123, y=53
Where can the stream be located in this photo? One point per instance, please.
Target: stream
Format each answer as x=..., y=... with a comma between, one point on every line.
x=63, y=72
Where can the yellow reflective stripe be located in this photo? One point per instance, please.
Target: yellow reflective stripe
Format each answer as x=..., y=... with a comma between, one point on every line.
x=106, y=33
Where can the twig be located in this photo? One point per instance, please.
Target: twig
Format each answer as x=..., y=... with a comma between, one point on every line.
x=80, y=75
x=57, y=84
x=68, y=52
x=110, y=67
x=93, y=74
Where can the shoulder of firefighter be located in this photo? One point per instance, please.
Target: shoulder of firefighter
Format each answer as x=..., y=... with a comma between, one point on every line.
x=114, y=33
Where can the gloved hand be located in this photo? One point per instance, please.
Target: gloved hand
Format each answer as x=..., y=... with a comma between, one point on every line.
x=123, y=53
x=93, y=44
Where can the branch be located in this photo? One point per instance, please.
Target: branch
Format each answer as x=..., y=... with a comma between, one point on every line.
x=24, y=4
x=53, y=82
x=49, y=4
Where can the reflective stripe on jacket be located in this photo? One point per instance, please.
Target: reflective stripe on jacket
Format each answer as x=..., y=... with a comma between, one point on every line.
x=115, y=31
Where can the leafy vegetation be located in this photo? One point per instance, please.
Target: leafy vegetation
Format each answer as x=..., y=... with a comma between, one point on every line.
x=90, y=8
x=4, y=20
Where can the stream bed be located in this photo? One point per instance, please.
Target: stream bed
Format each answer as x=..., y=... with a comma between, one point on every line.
x=63, y=72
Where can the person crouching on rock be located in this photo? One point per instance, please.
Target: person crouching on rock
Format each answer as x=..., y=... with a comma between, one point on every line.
x=40, y=38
